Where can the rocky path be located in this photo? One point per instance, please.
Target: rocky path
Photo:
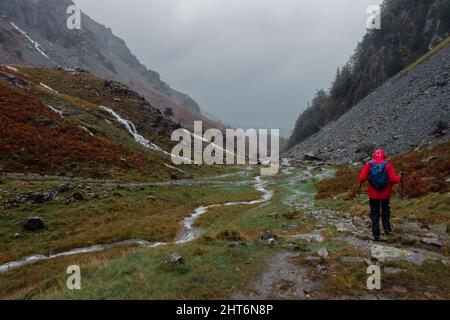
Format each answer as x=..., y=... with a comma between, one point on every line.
x=284, y=278
x=304, y=262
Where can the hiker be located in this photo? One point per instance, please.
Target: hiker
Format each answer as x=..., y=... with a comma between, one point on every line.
x=381, y=176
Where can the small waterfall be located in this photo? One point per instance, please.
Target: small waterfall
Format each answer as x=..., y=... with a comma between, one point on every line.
x=132, y=130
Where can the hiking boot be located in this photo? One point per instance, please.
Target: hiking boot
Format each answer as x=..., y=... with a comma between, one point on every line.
x=388, y=232
x=376, y=238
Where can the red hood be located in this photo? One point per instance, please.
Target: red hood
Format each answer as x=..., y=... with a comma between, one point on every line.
x=379, y=156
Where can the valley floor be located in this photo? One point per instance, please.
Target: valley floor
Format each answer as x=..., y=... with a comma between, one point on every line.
x=316, y=249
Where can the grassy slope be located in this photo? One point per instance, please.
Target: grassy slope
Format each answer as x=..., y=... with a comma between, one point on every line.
x=117, y=212
x=37, y=140
x=213, y=269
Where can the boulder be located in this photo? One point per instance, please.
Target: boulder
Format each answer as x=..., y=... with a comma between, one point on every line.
x=366, y=148
x=174, y=259
x=267, y=235
x=435, y=242
x=311, y=157
x=315, y=236
x=77, y=196
x=385, y=253
x=177, y=176
x=64, y=188
x=441, y=128
x=33, y=223
x=429, y=159
x=40, y=197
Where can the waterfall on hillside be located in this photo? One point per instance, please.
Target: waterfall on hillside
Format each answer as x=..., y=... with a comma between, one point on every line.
x=132, y=130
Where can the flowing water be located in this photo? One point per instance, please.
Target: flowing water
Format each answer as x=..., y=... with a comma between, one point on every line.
x=133, y=131
x=188, y=233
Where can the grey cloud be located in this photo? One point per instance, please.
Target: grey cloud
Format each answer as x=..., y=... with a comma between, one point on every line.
x=249, y=62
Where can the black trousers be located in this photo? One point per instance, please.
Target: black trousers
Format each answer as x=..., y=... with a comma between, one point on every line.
x=375, y=207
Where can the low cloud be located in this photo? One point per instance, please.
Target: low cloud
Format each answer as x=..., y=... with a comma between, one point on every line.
x=249, y=62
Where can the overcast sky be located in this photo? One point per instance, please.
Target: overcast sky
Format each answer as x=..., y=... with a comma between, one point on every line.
x=248, y=62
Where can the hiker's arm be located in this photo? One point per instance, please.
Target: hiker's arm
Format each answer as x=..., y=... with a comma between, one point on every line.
x=393, y=177
x=364, y=173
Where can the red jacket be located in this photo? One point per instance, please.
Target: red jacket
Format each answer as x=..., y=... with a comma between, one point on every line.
x=393, y=178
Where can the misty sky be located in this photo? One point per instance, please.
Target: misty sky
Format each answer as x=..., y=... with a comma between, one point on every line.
x=252, y=63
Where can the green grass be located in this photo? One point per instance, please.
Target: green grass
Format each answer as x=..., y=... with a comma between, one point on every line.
x=119, y=214
x=212, y=268
x=209, y=272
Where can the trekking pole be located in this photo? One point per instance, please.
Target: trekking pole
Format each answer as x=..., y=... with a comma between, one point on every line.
x=403, y=187
x=360, y=186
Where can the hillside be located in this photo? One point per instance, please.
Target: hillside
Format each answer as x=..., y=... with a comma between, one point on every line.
x=63, y=122
x=409, y=29
x=408, y=111
x=34, y=32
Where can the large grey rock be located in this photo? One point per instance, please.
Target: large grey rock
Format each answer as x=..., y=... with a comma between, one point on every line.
x=33, y=223
x=385, y=253
x=311, y=157
x=315, y=236
x=266, y=235
x=174, y=259
x=433, y=242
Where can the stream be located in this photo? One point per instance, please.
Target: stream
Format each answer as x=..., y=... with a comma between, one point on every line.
x=188, y=233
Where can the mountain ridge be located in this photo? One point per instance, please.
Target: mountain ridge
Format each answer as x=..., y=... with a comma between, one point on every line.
x=34, y=32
